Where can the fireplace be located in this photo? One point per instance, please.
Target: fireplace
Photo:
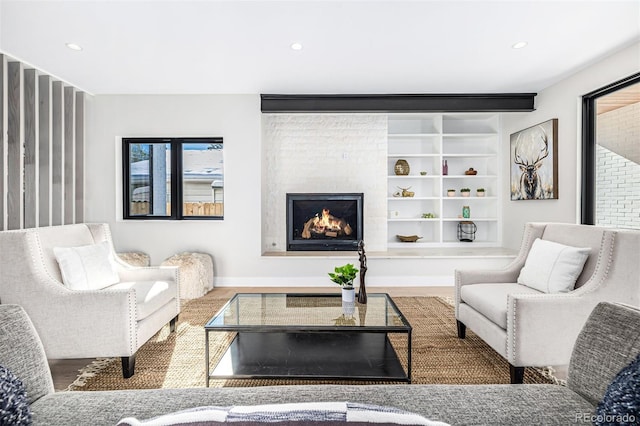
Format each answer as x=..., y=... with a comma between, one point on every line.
x=324, y=221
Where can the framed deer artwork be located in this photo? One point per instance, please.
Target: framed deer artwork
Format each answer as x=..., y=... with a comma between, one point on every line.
x=534, y=162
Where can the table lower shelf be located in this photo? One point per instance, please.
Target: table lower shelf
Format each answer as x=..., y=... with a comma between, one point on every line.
x=311, y=355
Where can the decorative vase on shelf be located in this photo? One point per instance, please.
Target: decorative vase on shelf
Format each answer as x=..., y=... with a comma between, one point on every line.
x=401, y=167
x=465, y=192
x=445, y=168
x=466, y=212
x=451, y=193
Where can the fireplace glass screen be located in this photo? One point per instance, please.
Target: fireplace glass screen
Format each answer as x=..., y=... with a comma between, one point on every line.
x=324, y=221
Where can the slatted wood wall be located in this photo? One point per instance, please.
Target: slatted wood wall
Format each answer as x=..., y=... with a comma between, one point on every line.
x=41, y=149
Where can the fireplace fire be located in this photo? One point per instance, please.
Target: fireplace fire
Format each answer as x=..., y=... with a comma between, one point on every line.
x=327, y=225
x=324, y=221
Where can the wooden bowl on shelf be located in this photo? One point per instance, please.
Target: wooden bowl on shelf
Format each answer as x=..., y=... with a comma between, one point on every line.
x=408, y=238
x=471, y=172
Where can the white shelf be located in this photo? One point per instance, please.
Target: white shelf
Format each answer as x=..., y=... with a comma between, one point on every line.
x=472, y=219
x=469, y=198
x=469, y=176
x=413, y=176
x=412, y=135
x=468, y=135
x=468, y=156
x=425, y=141
x=413, y=155
x=412, y=198
x=417, y=219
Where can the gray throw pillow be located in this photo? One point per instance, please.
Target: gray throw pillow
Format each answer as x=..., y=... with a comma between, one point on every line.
x=14, y=407
x=620, y=404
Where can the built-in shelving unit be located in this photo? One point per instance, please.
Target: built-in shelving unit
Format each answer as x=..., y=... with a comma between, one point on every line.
x=426, y=141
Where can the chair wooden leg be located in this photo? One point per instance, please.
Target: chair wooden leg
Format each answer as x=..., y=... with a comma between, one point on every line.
x=172, y=324
x=462, y=329
x=128, y=365
x=517, y=374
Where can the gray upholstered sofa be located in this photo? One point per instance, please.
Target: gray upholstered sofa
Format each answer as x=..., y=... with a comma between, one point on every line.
x=532, y=328
x=610, y=326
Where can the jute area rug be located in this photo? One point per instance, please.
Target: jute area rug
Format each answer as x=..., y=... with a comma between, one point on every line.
x=176, y=360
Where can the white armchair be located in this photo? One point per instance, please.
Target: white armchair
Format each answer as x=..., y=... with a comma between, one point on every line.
x=530, y=328
x=111, y=322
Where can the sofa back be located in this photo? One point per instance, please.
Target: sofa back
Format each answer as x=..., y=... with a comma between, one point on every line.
x=608, y=342
x=21, y=352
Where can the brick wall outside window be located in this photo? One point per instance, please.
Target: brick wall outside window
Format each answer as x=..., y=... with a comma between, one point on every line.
x=618, y=168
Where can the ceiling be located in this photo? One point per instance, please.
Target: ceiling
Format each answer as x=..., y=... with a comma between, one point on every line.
x=355, y=46
x=618, y=99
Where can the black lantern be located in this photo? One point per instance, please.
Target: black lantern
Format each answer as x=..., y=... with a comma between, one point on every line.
x=467, y=231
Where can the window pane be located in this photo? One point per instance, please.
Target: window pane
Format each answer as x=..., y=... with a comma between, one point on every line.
x=149, y=179
x=618, y=158
x=202, y=179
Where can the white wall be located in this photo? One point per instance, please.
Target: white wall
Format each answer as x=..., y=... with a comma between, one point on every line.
x=235, y=242
x=236, y=118
x=562, y=101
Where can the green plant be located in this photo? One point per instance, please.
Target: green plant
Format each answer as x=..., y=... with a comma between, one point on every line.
x=480, y=189
x=465, y=190
x=344, y=275
x=451, y=190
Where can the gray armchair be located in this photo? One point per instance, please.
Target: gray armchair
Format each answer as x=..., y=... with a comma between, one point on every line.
x=530, y=328
x=110, y=322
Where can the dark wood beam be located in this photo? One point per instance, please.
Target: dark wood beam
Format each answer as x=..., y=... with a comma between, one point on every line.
x=498, y=102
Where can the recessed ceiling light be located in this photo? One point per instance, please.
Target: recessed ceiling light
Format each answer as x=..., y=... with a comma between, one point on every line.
x=74, y=46
x=520, y=45
x=296, y=46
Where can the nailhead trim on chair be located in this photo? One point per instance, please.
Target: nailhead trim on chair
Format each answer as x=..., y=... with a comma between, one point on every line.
x=510, y=350
x=133, y=325
x=456, y=290
x=42, y=263
x=611, y=237
x=527, y=242
x=177, y=280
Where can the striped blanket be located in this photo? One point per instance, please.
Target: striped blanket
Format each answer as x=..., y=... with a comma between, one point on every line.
x=313, y=413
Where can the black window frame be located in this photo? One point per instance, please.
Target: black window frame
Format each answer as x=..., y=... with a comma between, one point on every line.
x=588, y=174
x=176, y=176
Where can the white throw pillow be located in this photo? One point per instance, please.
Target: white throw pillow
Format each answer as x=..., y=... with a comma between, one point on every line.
x=552, y=267
x=89, y=267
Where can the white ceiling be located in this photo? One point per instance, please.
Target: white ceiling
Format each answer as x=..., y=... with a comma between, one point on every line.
x=349, y=46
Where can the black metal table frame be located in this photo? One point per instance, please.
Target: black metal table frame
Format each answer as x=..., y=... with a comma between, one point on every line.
x=308, y=329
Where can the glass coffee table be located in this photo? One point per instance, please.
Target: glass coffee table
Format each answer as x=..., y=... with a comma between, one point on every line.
x=309, y=336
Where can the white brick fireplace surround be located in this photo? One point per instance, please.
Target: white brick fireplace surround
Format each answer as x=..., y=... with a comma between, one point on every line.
x=323, y=153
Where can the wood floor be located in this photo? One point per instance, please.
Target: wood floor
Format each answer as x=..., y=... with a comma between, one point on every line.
x=65, y=371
